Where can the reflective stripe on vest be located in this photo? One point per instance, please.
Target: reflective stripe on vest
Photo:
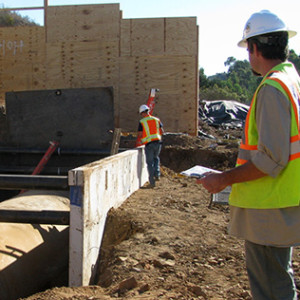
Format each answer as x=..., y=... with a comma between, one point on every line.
x=269, y=192
x=151, y=131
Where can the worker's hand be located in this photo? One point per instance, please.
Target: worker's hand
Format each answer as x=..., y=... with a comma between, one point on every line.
x=201, y=176
x=213, y=182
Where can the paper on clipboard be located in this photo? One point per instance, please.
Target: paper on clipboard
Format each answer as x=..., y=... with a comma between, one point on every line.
x=197, y=171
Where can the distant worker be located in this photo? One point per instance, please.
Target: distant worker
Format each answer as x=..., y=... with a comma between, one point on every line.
x=265, y=197
x=150, y=133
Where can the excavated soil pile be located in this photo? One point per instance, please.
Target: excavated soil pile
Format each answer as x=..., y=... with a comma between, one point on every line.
x=167, y=242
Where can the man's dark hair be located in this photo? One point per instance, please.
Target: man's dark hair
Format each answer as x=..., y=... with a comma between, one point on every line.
x=272, y=45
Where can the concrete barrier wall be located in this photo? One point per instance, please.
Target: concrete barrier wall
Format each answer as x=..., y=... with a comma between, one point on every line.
x=94, y=189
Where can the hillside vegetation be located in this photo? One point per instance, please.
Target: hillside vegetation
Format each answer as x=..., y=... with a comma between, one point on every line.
x=10, y=19
x=238, y=83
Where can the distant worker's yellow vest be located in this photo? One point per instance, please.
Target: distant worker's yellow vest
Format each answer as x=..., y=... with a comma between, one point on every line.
x=151, y=131
x=284, y=190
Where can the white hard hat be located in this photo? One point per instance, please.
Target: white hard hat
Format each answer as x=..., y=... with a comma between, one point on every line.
x=261, y=23
x=143, y=108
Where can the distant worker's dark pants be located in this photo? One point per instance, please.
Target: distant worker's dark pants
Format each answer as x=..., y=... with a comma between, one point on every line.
x=152, y=151
x=270, y=272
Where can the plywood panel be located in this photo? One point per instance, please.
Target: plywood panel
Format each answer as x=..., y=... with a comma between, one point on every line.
x=38, y=76
x=176, y=114
x=83, y=22
x=15, y=80
x=125, y=38
x=129, y=114
x=171, y=36
x=172, y=74
x=58, y=65
x=127, y=67
x=181, y=36
x=175, y=76
x=134, y=75
x=167, y=108
x=60, y=23
x=98, y=21
x=147, y=36
x=22, y=43
x=22, y=56
x=171, y=109
x=82, y=64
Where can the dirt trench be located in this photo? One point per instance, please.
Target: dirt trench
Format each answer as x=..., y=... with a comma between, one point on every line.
x=166, y=242
x=179, y=152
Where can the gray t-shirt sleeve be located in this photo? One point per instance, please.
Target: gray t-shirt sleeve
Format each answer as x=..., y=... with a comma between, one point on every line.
x=273, y=119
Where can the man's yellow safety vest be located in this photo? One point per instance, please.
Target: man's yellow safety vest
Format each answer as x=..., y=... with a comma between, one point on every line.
x=284, y=190
x=151, y=132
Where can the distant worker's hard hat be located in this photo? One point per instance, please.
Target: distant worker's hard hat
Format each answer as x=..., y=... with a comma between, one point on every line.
x=143, y=108
x=261, y=23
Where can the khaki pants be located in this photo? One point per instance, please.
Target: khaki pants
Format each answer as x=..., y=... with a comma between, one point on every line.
x=270, y=272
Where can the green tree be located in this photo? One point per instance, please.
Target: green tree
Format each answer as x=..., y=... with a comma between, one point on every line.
x=238, y=83
x=203, y=80
x=218, y=93
x=230, y=61
x=244, y=82
x=295, y=59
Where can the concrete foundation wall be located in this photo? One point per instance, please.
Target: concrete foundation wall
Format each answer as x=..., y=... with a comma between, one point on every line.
x=94, y=189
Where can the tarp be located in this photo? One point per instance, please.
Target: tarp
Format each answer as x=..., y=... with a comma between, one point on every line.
x=223, y=112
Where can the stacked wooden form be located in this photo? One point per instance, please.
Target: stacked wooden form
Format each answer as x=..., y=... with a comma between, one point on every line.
x=93, y=46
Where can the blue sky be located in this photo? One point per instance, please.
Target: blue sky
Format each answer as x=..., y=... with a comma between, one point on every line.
x=221, y=22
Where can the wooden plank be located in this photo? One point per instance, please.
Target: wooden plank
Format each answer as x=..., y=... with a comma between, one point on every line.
x=100, y=22
x=82, y=64
x=60, y=23
x=175, y=76
x=168, y=109
x=22, y=56
x=174, y=36
x=171, y=74
x=129, y=114
x=128, y=66
x=147, y=37
x=21, y=42
x=181, y=36
x=125, y=38
x=38, y=76
x=17, y=82
x=84, y=22
x=171, y=109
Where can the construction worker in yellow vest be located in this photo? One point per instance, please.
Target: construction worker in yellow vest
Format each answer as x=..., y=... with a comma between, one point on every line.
x=150, y=133
x=265, y=197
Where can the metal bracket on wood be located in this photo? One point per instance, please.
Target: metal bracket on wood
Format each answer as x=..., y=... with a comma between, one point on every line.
x=75, y=177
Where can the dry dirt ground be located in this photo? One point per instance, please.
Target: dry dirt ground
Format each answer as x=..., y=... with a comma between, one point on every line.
x=168, y=242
